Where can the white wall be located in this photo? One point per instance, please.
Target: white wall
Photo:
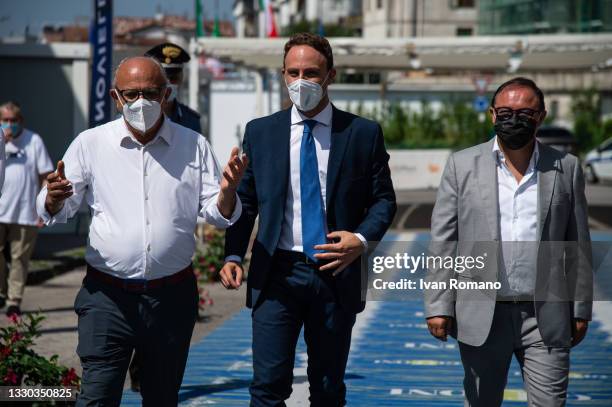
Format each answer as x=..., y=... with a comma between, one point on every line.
x=233, y=103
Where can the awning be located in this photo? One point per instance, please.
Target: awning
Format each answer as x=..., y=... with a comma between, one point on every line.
x=490, y=53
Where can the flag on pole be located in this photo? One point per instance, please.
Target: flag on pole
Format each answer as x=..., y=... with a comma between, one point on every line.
x=216, y=30
x=198, y=18
x=261, y=15
x=271, y=30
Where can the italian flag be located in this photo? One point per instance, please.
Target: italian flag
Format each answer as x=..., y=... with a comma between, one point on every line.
x=266, y=7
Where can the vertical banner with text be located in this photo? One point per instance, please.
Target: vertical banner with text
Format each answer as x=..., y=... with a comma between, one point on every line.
x=101, y=39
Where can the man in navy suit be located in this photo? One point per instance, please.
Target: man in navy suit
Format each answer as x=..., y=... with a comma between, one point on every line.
x=319, y=180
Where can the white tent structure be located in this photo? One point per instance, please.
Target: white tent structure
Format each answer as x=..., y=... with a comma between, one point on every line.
x=459, y=57
x=539, y=52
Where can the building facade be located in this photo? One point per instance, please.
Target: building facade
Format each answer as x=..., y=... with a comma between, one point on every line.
x=419, y=18
x=288, y=13
x=503, y=17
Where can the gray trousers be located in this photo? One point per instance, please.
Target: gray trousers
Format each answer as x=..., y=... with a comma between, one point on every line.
x=515, y=331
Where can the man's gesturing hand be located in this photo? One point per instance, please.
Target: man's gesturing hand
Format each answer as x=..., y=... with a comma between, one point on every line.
x=232, y=174
x=58, y=189
x=440, y=327
x=233, y=171
x=340, y=254
x=231, y=275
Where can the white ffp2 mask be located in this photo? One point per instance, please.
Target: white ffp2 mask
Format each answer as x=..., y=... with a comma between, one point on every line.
x=305, y=94
x=142, y=114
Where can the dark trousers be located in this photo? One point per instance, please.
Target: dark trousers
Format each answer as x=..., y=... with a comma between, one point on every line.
x=114, y=322
x=297, y=294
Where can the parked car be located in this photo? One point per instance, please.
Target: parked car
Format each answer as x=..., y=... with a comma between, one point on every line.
x=557, y=137
x=598, y=163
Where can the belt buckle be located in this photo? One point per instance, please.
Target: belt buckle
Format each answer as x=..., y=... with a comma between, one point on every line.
x=135, y=284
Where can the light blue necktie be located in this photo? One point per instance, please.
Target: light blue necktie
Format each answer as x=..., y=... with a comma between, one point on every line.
x=313, y=216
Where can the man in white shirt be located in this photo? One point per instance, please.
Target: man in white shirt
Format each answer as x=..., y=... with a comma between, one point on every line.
x=27, y=165
x=146, y=180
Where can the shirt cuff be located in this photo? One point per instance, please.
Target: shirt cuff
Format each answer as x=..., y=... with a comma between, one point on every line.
x=234, y=258
x=364, y=242
x=214, y=217
x=48, y=219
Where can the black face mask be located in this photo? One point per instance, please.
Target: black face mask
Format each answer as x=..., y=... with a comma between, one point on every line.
x=515, y=133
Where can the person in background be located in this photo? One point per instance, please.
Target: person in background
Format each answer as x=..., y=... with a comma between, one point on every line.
x=172, y=57
x=27, y=166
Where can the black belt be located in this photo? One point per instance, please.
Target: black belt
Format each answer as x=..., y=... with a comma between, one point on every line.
x=138, y=285
x=295, y=257
x=515, y=300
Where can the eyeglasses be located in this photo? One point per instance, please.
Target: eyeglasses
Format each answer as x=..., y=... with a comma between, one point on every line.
x=505, y=113
x=131, y=95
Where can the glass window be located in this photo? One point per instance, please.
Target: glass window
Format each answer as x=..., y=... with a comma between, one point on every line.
x=464, y=31
x=465, y=3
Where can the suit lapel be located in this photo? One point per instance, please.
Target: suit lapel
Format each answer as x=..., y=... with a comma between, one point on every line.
x=487, y=182
x=547, y=168
x=279, y=146
x=340, y=136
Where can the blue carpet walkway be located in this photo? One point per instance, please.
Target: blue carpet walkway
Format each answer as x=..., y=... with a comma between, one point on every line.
x=395, y=362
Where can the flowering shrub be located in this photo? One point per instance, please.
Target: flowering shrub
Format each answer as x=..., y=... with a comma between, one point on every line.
x=20, y=365
x=209, y=258
x=207, y=261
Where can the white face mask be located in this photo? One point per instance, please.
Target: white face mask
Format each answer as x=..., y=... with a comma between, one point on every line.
x=304, y=94
x=141, y=114
x=173, y=92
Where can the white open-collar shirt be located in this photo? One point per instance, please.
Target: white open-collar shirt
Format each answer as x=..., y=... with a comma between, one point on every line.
x=518, y=220
x=144, y=199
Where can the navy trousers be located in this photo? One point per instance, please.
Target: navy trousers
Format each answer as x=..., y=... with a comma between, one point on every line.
x=298, y=294
x=113, y=322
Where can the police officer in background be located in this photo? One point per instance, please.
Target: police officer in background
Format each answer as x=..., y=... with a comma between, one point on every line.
x=172, y=57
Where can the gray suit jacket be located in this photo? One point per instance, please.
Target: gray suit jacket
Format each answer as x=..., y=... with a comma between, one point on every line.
x=466, y=211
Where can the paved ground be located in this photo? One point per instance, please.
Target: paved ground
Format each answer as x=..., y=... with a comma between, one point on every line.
x=394, y=361
x=55, y=299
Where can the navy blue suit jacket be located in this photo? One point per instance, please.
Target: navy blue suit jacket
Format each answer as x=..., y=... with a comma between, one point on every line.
x=360, y=196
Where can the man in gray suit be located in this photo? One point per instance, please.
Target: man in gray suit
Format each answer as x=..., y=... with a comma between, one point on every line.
x=514, y=193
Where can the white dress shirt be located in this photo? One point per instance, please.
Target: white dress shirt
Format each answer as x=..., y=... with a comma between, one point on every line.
x=26, y=160
x=518, y=206
x=144, y=199
x=291, y=230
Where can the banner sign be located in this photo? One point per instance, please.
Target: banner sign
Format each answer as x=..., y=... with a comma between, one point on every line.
x=101, y=39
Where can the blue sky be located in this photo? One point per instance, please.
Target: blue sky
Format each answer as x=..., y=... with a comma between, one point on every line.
x=16, y=14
